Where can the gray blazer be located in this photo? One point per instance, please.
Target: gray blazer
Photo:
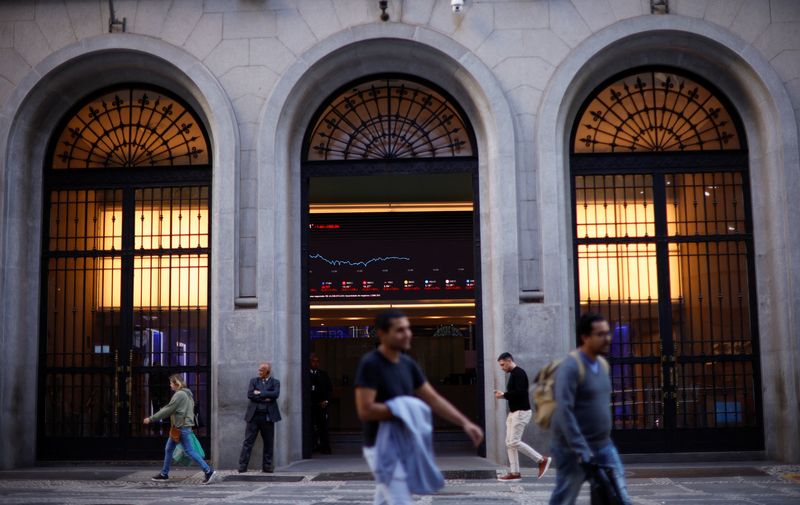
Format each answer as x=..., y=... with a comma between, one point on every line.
x=268, y=395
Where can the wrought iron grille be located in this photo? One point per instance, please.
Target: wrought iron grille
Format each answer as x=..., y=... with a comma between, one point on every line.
x=125, y=275
x=663, y=248
x=388, y=119
x=655, y=111
x=131, y=127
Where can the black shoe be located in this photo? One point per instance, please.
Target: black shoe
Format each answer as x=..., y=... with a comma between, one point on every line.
x=159, y=477
x=242, y=470
x=267, y=470
x=209, y=476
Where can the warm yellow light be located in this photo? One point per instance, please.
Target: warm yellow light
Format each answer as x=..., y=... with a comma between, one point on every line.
x=170, y=281
x=358, y=208
x=621, y=271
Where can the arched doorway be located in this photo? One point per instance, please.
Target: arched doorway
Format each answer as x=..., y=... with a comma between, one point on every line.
x=125, y=258
x=390, y=219
x=663, y=243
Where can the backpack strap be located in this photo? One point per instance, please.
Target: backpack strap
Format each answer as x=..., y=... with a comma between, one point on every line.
x=604, y=364
x=581, y=366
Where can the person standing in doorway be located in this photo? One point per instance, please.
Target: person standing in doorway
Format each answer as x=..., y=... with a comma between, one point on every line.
x=320, y=397
x=519, y=415
x=262, y=414
x=386, y=373
x=582, y=419
x=180, y=411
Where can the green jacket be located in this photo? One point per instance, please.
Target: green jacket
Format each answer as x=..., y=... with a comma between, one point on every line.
x=180, y=409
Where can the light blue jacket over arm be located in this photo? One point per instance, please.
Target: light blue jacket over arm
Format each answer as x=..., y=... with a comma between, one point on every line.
x=408, y=439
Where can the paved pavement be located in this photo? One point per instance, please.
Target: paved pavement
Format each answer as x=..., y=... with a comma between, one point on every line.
x=345, y=482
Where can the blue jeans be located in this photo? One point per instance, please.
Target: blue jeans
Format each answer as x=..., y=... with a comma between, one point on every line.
x=570, y=475
x=187, y=448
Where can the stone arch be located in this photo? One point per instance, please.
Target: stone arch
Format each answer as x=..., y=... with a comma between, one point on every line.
x=42, y=98
x=753, y=86
x=344, y=57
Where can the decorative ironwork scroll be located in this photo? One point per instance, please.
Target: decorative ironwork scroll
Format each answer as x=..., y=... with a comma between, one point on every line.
x=655, y=111
x=389, y=119
x=131, y=127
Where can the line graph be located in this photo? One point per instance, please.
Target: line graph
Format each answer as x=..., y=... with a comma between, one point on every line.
x=349, y=263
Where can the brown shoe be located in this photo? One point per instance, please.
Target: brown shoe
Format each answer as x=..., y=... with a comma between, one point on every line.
x=544, y=465
x=510, y=477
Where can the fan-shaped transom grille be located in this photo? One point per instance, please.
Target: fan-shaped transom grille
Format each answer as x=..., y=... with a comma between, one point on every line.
x=655, y=111
x=131, y=127
x=388, y=119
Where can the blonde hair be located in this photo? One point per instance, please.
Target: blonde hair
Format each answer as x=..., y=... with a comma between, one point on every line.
x=178, y=379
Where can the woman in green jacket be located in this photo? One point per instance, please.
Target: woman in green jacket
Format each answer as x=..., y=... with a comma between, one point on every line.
x=180, y=411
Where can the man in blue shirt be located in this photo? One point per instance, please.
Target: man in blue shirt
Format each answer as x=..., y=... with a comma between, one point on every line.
x=582, y=419
x=386, y=373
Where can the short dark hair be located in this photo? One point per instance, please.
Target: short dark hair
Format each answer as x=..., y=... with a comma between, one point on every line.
x=383, y=321
x=505, y=356
x=586, y=322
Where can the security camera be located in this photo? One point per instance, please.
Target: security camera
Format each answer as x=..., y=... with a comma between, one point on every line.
x=457, y=6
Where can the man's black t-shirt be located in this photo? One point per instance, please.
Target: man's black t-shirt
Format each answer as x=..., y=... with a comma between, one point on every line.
x=389, y=380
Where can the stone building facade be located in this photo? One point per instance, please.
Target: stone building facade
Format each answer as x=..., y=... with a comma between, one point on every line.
x=256, y=72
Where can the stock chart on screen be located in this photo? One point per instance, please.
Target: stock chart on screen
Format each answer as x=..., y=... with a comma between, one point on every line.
x=391, y=256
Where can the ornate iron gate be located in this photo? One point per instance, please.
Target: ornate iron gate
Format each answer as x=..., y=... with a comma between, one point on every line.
x=124, y=274
x=664, y=248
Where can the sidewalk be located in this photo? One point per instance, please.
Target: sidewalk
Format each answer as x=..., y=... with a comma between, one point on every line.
x=340, y=480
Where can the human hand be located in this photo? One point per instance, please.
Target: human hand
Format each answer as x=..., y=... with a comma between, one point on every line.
x=474, y=433
x=256, y=392
x=324, y=404
x=498, y=394
x=146, y=420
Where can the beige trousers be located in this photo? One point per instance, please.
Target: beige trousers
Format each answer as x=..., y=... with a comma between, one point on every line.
x=515, y=427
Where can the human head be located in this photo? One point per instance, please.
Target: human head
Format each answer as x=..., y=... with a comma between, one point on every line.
x=594, y=333
x=264, y=370
x=506, y=362
x=176, y=382
x=313, y=361
x=393, y=330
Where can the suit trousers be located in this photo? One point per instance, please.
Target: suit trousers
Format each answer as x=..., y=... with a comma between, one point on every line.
x=258, y=424
x=319, y=428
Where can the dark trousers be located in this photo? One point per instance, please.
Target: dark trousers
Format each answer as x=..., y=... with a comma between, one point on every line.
x=259, y=424
x=319, y=428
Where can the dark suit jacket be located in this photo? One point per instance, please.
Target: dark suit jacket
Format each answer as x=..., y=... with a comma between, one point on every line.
x=268, y=396
x=320, y=387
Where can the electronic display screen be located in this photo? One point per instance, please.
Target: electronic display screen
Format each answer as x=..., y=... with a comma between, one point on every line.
x=391, y=256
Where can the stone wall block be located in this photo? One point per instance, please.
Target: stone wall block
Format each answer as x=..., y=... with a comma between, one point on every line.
x=320, y=16
x=54, y=22
x=252, y=80
x=180, y=20
x=527, y=14
x=228, y=54
x=751, y=21
x=294, y=32
x=30, y=43
x=205, y=36
x=597, y=13
x=271, y=53
x=244, y=25
x=86, y=19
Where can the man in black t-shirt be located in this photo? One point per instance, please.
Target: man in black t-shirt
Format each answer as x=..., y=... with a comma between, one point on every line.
x=385, y=373
x=519, y=415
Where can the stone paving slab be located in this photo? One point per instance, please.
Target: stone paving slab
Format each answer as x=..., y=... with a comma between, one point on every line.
x=773, y=485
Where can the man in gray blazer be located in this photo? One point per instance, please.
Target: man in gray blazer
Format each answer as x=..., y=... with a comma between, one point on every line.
x=262, y=414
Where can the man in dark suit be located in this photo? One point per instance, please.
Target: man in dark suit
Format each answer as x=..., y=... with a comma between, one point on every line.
x=320, y=396
x=262, y=414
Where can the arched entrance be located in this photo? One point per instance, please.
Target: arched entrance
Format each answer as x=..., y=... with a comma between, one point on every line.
x=125, y=269
x=663, y=241
x=390, y=199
